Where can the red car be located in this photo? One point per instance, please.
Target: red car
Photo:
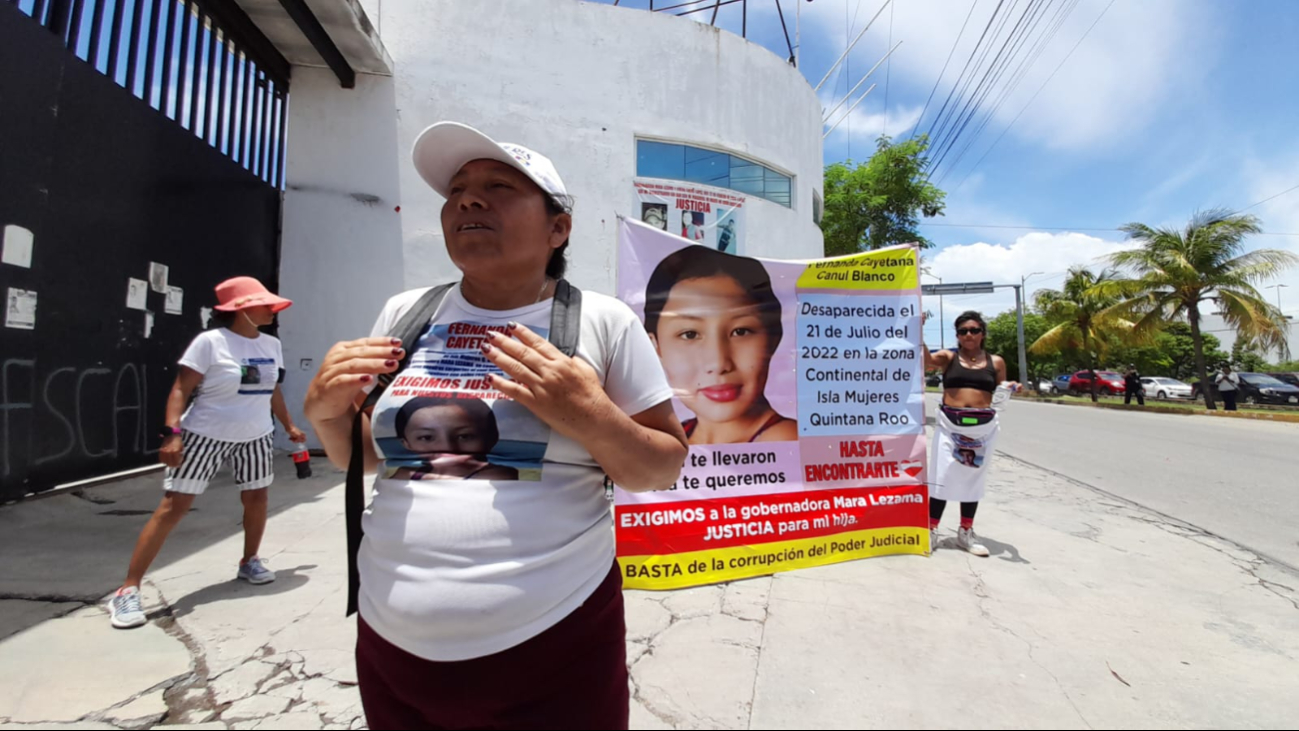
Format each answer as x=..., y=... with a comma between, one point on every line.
x=1107, y=383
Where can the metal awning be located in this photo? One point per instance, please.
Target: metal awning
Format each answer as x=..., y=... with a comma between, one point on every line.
x=333, y=34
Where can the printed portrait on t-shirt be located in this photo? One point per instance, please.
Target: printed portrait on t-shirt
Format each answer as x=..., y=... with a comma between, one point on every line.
x=258, y=375
x=967, y=451
x=440, y=419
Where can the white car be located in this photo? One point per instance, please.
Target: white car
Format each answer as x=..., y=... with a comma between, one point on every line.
x=1169, y=388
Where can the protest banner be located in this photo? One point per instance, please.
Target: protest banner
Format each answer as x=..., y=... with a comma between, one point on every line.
x=703, y=215
x=800, y=386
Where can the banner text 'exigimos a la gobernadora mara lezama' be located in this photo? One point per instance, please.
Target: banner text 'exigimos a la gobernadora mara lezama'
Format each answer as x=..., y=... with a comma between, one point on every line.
x=800, y=386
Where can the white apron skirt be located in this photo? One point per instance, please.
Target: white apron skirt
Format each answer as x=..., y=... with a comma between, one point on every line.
x=959, y=465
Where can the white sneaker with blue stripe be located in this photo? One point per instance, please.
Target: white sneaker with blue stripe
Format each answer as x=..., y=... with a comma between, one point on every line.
x=124, y=609
x=255, y=572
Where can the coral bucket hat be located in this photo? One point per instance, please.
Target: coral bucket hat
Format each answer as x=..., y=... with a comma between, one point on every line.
x=239, y=293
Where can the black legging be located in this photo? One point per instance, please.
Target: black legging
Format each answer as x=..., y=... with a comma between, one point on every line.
x=936, y=508
x=1228, y=399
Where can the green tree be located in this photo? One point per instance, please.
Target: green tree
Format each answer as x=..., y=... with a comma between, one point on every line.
x=1178, y=270
x=1082, y=318
x=1178, y=348
x=880, y=203
x=1246, y=359
x=1003, y=340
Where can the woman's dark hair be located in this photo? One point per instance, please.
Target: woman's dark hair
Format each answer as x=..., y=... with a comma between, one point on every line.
x=477, y=409
x=699, y=262
x=972, y=315
x=558, y=263
x=221, y=318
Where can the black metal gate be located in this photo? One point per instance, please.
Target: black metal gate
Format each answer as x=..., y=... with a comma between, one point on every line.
x=135, y=135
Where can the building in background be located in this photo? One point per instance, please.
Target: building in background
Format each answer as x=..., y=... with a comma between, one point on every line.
x=156, y=147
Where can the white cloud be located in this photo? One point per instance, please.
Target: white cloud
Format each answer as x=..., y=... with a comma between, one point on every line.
x=870, y=124
x=1046, y=255
x=1132, y=62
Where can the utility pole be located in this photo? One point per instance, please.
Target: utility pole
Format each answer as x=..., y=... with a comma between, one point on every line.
x=1021, y=293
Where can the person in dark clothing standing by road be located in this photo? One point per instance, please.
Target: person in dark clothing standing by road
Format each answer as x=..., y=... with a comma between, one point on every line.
x=1132, y=387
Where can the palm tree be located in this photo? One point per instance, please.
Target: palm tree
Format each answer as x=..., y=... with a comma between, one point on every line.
x=1204, y=262
x=1082, y=317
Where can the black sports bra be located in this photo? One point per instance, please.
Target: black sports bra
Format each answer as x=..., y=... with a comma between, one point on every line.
x=981, y=379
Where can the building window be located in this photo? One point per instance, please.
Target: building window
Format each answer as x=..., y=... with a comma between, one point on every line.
x=818, y=208
x=710, y=167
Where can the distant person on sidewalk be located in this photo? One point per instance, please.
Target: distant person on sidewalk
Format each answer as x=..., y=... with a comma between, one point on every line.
x=965, y=429
x=495, y=601
x=1228, y=384
x=232, y=372
x=1132, y=387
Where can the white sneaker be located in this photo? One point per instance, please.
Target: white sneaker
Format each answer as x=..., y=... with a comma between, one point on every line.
x=124, y=608
x=255, y=572
x=966, y=540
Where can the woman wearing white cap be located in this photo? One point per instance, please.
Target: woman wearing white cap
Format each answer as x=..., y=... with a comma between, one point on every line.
x=496, y=602
x=232, y=373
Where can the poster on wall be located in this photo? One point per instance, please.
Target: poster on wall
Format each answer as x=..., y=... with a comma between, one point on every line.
x=800, y=386
x=711, y=217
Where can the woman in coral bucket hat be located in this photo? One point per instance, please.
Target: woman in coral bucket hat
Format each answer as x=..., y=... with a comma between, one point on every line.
x=232, y=372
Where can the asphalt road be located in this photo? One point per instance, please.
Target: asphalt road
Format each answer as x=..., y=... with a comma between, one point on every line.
x=1236, y=478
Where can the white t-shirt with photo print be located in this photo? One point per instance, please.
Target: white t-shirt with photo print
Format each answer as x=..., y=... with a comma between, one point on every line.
x=458, y=567
x=233, y=402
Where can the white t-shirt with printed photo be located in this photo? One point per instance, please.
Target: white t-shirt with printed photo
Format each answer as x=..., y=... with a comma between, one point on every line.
x=470, y=551
x=233, y=401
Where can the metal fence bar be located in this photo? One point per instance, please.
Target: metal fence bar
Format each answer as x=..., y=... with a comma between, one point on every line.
x=196, y=96
x=96, y=32
x=284, y=126
x=220, y=141
x=164, y=94
x=115, y=39
x=211, y=64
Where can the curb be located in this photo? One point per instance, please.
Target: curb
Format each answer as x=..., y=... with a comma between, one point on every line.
x=1287, y=418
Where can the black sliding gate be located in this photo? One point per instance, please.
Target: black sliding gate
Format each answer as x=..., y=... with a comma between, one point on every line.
x=141, y=162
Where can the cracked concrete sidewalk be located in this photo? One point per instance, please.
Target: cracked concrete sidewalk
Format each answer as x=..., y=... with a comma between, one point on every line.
x=1091, y=613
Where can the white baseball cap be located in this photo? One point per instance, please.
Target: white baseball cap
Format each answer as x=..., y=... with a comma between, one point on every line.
x=443, y=148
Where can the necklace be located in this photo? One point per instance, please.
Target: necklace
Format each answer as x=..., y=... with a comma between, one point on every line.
x=970, y=362
x=545, y=282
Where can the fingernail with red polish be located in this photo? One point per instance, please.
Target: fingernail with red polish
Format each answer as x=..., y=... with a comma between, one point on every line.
x=396, y=351
x=511, y=325
x=492, y=334
x=395, y=341
x=365, y=379
x=390, y=363
x=486, y=347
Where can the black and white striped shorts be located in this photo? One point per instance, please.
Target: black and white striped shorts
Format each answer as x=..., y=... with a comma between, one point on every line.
x=202, y=457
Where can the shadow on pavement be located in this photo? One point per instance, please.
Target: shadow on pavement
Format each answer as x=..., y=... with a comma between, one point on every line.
x=286, y=580
x=75, y=548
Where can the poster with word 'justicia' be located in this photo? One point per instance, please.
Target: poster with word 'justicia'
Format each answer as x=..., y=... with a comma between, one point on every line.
x=800, y=387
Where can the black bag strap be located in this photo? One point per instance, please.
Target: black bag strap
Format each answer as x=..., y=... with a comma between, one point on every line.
x=565, y=331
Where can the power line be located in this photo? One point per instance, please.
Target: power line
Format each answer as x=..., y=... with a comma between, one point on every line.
x=945, y=121
x=1265, y=200
x=973, y=51
x=1035, y=94
x=996, y=69
x=888, y=73
x=1017, y=76
x=939, y=80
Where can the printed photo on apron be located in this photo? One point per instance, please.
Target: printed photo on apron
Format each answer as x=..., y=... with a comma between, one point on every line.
x=440, y=419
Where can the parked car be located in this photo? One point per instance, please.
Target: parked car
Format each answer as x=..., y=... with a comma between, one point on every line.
x=1060, y=384
x=1107, y=383
x=1160, y=387
x=934, y=379
x=1290, y=378
x=1260, y=388
x=1044, y=385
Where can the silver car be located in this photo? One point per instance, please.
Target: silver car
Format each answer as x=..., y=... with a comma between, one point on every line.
x=1167, y=388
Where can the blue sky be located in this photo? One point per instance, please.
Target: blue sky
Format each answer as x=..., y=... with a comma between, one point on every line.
x=1166, y=107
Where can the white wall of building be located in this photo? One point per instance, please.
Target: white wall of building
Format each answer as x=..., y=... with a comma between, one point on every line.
x=579, y=83
x=341, y=251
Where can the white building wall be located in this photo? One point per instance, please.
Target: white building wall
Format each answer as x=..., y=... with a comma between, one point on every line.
x=579, y=82
x=341, y=254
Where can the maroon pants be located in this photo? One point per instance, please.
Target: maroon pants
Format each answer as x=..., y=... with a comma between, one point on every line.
x=572, y=676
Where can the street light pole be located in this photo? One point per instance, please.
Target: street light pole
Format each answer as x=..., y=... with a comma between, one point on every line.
x=1020, y=295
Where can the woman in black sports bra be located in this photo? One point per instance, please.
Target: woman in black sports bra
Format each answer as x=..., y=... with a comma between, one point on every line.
x=966, y=427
